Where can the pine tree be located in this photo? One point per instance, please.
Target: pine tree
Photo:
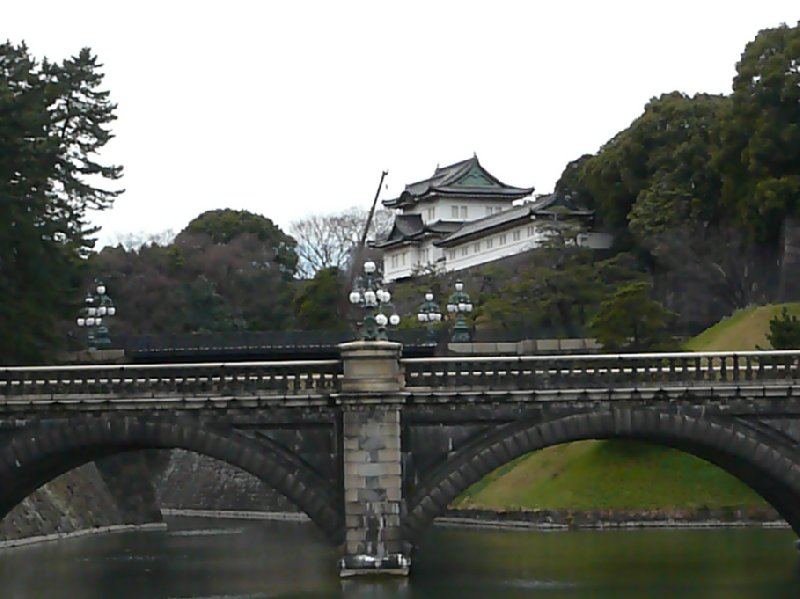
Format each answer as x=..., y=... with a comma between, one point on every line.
x=52, y=122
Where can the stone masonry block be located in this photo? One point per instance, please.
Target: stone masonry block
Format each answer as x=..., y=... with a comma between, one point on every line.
x=355, y=456
x=389, y=455
x=391, y=468
x=392, y=519
x=392, y=442
x=391, y=481
x=351, y=468
x=377, y=496
x=372, y=469
x=353, y=481
x=356, y=534
x=354, y=508
x=353, y=521
x=390, y=428
x=375, y=443
x=354, y=547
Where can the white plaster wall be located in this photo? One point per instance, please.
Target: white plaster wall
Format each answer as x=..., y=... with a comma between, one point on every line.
x=405, y=261
x=502, y=244
x=466, y=255
x=443, y=209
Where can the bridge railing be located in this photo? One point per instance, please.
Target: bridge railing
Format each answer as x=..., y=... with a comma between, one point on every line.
x=602, y=370
x=235, y=379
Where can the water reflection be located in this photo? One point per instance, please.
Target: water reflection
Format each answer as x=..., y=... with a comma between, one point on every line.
x=205, y=559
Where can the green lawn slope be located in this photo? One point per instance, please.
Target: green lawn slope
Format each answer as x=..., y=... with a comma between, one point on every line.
x=624, y=475
x=745, y=330
x=608, y=475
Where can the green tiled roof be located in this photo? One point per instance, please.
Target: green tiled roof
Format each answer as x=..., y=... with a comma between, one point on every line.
x=465, y=179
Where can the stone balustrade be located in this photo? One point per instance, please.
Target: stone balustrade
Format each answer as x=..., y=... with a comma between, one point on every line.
x=283, y=378
x=595, y=371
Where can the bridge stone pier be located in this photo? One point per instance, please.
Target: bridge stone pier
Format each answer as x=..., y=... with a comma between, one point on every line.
x=371, y=405
x=373, y=447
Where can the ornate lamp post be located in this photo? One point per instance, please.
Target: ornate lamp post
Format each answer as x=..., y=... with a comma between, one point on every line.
x=458, y=305
x=429, y=312
x=369, y=294
x=97, y=307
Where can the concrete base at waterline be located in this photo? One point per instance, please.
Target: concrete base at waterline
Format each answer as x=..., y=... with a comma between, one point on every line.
x=395, y=564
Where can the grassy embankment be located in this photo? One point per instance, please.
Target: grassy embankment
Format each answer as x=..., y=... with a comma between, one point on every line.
x=624, y=475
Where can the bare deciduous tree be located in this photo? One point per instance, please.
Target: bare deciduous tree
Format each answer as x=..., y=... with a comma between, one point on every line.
x=134, y=241
x=327, y=240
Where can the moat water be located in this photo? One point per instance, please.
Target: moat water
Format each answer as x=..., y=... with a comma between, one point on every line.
x=226, y=559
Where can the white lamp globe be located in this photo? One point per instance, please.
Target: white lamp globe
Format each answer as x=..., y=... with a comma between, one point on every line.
x=381, y=320
x=469, y=307
x=459, y=286
x=452, y=308
x=462, y=307
x=394, y=320
x=422, y=317
x=436, y=316
x=386, y=297
x=369, y=298
x=429, y=297
x=90, y=322
x=91, y=311
x=102, y=310
x=369, y=267
x=355, y=297
x=98, y=321
x=81, y=322
x=101, y=289
x=112, y=310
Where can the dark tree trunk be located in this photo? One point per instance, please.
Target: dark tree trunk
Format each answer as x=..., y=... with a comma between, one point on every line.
x=789, y=287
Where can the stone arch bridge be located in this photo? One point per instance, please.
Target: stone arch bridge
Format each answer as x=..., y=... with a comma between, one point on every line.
x=373, y=447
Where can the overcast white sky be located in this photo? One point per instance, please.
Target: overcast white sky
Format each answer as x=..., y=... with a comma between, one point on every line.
x=295, y=107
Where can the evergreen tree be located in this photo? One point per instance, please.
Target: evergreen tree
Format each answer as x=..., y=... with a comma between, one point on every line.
x=630, y=319
x=228, y=270
x=316, y=301
x=53, y=121
x=784, y=331
x=760, y=153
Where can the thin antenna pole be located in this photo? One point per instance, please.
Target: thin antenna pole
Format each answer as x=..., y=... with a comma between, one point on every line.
x=355, y=263
x=372, y=211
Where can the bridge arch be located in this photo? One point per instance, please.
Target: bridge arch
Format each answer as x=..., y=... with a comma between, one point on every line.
x=41, y=452
x=761, y=461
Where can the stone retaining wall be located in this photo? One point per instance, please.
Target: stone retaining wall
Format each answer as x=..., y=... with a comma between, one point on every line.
x=112, y=494
x=568, y=519
x=189, y=481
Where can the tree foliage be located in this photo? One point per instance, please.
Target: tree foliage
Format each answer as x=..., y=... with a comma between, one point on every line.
x=560, y=288
x=316, y=301
x=702, y=188
x=760, y=153
x=54, y=120
x=226, y=271
x=657, y=174
x=631, y=319
x=554, y=291
x=784, y=331
x=221, y=227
